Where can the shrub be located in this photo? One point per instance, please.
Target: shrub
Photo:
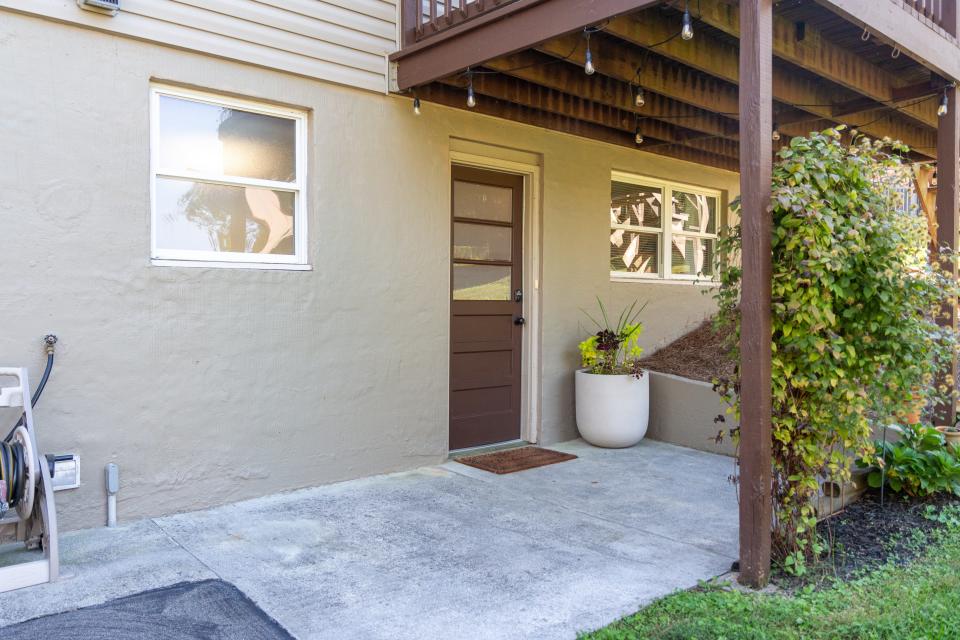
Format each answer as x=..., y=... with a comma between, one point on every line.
x=854, y=326
x=919, y=464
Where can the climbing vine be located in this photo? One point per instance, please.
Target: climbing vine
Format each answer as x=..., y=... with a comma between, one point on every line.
x=855, y=302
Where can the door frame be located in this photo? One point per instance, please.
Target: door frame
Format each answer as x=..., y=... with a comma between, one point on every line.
x=530, y=374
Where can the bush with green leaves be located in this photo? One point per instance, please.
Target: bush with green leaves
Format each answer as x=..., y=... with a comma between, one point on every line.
x=854, y=323
x=919, y=464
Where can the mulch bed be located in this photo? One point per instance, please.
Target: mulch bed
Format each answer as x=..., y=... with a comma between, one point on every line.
x=866, y=535
x=698, y=355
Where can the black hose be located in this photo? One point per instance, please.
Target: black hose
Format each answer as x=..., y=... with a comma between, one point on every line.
x=50, y=340
x=43, y=380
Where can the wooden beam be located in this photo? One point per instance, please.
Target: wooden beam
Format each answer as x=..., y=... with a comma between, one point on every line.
x=604, y=89
x=892, y=22
x=756, y=167
x=456, y=98
x=675, y=81
x=818, y=54
x=560, y=103
x=719, y=59
x=914, y=91
x=685, y=84
x=515, y=26
x=617, y=60
x=948, y=207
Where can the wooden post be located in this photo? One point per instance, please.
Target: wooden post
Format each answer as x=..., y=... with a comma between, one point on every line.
x=949, y=15
x=948, y=158
x=410, y=12
x=756, y=166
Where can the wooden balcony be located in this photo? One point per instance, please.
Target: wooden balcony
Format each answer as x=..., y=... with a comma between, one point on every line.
x=876, y=64
x=426, y=18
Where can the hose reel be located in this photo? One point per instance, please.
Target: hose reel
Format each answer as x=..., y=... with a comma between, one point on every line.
x=27, y=509
x=18, y=473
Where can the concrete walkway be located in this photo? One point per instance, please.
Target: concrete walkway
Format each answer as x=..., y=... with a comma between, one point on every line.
x=440, y=552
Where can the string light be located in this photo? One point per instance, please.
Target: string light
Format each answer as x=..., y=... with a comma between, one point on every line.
x=638, y=135
x=471, y=97
x=588, y=65
x=416, y=106
x=639, y=99
x=944, y=107
x=776, y=132
x=687, y=31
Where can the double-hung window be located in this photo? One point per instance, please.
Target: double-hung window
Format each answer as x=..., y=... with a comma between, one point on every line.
x=662, y=230
x=228, y=182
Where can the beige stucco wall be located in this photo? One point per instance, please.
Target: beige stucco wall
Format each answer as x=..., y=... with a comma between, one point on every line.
x=212, y=385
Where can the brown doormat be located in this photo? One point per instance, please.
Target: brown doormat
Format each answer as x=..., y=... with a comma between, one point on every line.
x=511, y=460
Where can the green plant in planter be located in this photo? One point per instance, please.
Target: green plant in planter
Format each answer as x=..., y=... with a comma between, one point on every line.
x=614, y=348
x=919, y=464
x=854, y=325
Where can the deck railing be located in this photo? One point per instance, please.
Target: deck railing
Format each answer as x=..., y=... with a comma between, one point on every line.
x=934, y=12
x=425, y=18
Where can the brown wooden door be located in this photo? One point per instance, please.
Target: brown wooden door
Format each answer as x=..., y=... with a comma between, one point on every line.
x=486, y=307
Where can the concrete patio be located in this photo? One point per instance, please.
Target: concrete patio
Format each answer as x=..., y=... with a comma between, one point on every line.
x=446, y=551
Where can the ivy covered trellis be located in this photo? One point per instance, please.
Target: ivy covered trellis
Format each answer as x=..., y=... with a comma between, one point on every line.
x=855, y=304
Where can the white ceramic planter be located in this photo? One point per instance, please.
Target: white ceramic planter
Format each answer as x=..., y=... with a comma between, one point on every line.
x=612, y=411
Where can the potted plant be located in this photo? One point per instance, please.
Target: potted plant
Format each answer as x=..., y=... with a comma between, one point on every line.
x=612, y=390
x=951, y=433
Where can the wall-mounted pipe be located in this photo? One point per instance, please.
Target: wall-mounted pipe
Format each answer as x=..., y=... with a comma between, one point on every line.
x=112, y=477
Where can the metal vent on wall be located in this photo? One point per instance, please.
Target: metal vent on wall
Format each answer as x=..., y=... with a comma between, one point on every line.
x=109, y=7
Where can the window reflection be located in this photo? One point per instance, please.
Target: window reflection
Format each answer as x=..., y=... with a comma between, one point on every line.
x=234, y=146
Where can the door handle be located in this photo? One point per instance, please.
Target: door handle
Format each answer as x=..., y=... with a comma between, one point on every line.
x=519, y=320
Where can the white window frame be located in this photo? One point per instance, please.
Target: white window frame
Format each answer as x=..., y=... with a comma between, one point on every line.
x=665, y=231
x=196, y=258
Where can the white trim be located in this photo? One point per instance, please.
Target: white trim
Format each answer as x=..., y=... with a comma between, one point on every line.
x=214, y=264
x=230, y=181
x=665, y=267
x=530, y=428
x=299, y=261
x=246, y=104
x=639, y=278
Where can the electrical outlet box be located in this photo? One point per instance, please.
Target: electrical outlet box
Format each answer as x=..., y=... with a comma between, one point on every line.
x=66, y=472
x=108, y=7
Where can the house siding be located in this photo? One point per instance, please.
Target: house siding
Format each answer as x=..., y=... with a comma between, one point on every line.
x=208, y=386
x=343, y=41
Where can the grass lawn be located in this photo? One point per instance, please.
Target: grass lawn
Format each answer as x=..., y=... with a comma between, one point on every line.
x=918, y=601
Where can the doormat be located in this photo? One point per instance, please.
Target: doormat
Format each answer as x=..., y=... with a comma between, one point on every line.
x=512, y=460
x=208, y=610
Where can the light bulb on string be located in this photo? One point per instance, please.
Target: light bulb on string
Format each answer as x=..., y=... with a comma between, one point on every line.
x=944, y=107
x=687, y=31
x=776, y=132
x=588, y=67
x=471, y=97
x=639, y=99
x=416, y=106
